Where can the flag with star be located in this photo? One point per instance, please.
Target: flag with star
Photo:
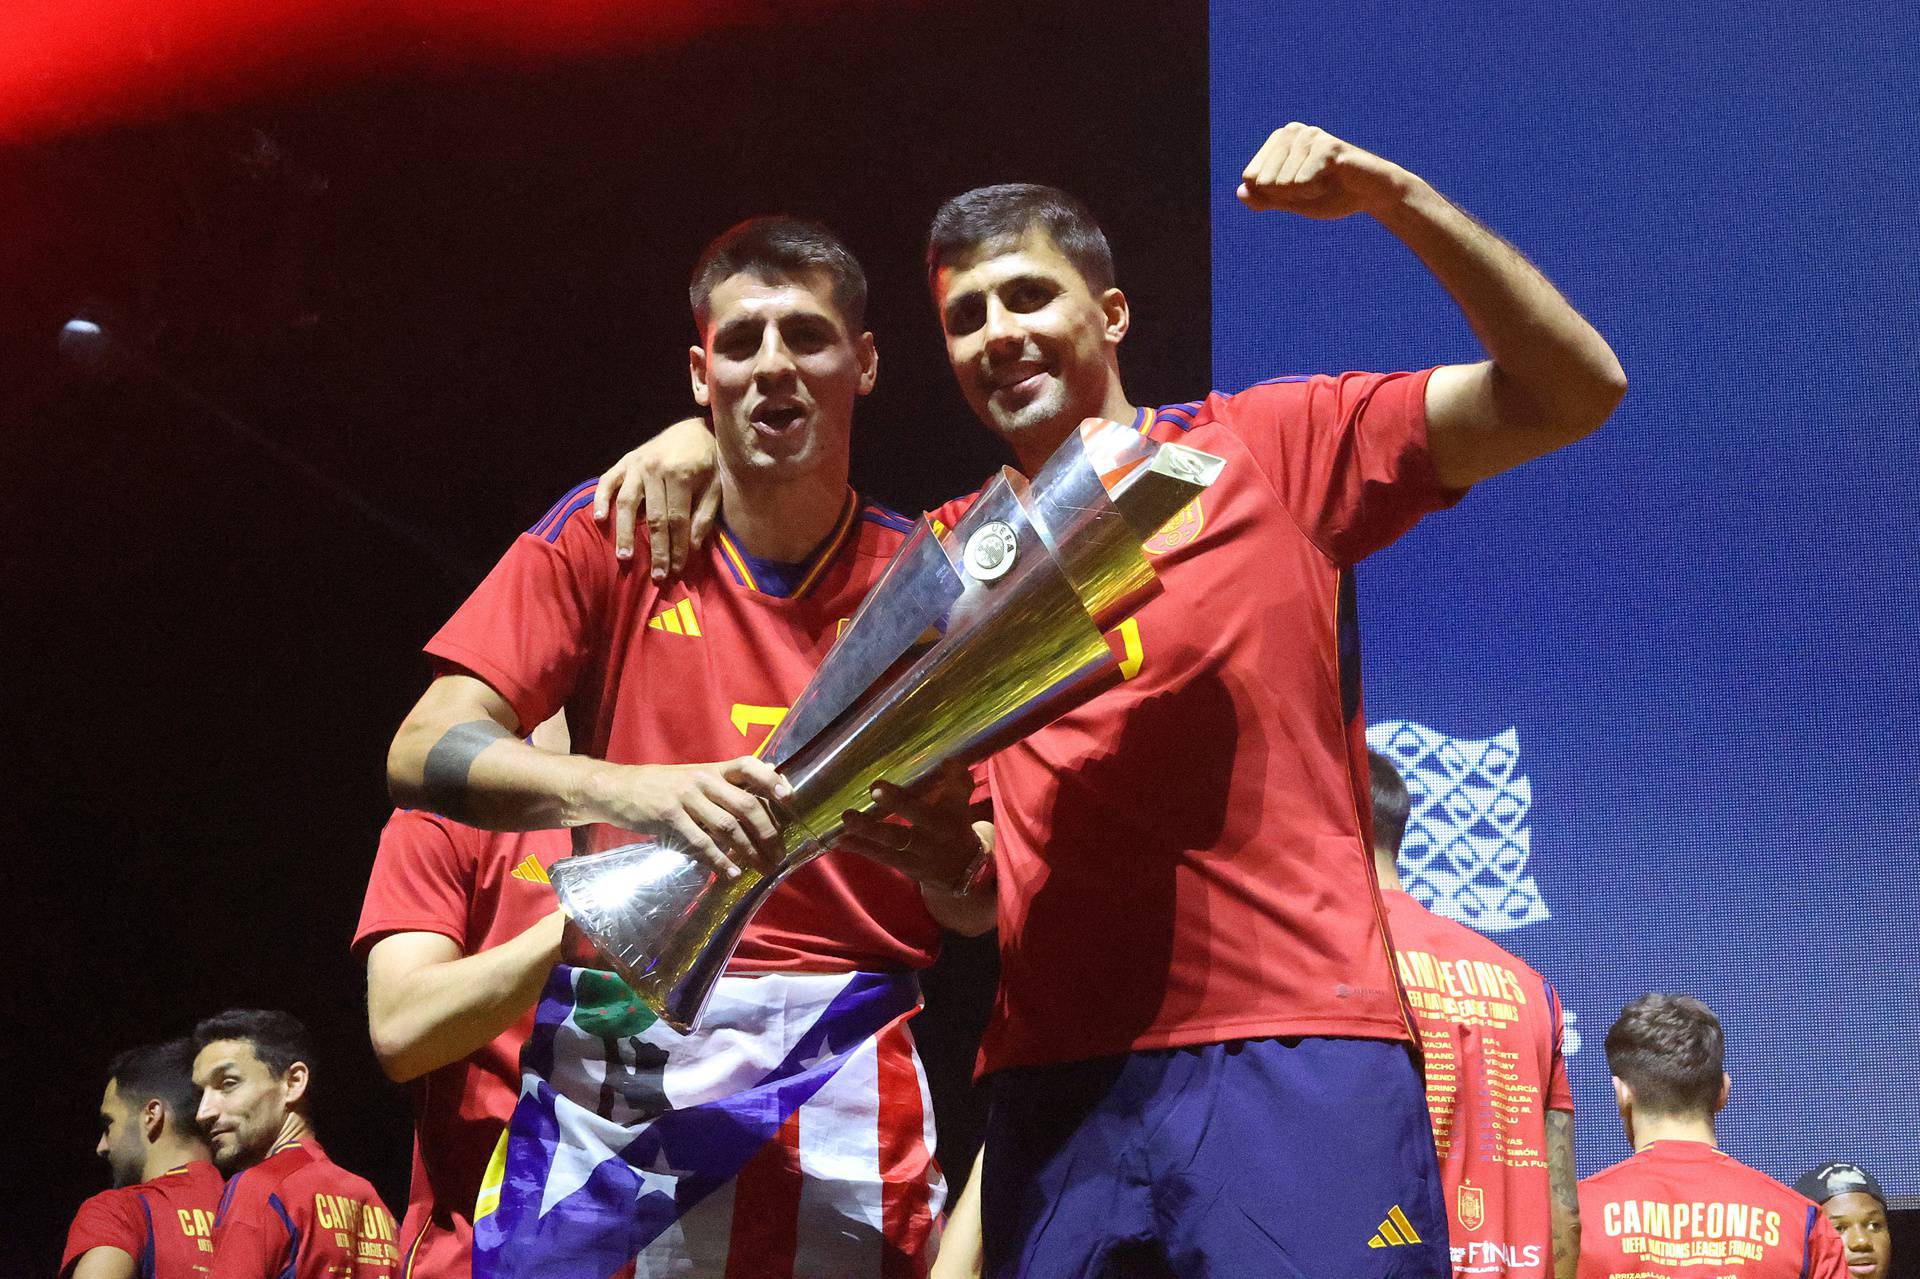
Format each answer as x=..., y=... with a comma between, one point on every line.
x=790, y=1134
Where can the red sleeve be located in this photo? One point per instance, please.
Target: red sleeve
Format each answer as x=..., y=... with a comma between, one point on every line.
x=1347, y=454
x=948, y=514
x=1826, y=1254
x=1559, y=1091
x=110, y=1219
x=527, y=629
x=422, y=880
x=252, y=1235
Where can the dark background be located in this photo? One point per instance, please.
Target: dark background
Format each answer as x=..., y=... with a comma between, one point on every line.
x=452, y=296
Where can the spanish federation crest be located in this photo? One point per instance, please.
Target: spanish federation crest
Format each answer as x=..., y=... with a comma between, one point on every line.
x=1178, y=531
x=1471, y=1206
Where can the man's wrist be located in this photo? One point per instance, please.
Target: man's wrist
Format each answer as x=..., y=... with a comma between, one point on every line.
x=588, y=797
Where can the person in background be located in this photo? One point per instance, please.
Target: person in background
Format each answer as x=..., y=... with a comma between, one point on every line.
x=1857, y=1206
x=459, y=932
x=1680, y=1206
x=1491, y=1032
x=157, y=1221
x=288, y=1212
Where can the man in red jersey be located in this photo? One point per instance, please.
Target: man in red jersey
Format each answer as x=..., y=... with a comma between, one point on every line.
x=1187, y=913
x=653, y=678
x=157, y=1221
x=288, y=1210
x=1679, y=1206
x=1497, y=1093
x=459, y=932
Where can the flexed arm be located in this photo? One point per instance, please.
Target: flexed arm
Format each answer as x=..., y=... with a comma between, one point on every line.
x=1550, y=378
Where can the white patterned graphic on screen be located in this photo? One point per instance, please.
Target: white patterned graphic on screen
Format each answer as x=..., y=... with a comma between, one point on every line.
x=1467, y=845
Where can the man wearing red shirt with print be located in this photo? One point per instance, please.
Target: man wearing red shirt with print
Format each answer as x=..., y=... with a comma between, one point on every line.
x=157, y=1221
x=459, y=932
x=1497, y=1093
x=288, y=1212
x=822, y=1162
x=1188, y=919
x=1679, y=1206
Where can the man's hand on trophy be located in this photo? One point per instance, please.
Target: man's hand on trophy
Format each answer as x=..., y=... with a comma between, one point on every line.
x=929, y=834
x=716, y=812
x=672, y=477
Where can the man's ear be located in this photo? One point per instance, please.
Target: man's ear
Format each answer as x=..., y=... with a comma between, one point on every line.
x=1113, y=303
x=1726, y=1092
x=869, y=363
x=697, y=374
x=295, y=1083
x=1623, y=1098
x=153, y=1118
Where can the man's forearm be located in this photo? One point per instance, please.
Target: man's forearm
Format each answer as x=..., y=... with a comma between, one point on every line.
x=457, y=754
x=439, y=1013
x=1565, y=1189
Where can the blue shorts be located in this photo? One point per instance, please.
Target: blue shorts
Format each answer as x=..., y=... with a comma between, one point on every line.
x=1255, y=1159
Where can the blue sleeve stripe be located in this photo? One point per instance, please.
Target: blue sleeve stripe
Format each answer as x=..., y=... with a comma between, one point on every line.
x=1289, y=377
x=874, y=513
x=226, y=1197
x=1806, y=1246
x=146, y=1247
x=293, y=1237
x=553, y=532
x=557, y=513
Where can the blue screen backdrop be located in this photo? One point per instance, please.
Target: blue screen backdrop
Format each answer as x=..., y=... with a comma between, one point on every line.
x=1654, y=693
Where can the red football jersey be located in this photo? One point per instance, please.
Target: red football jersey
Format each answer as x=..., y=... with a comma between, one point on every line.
x=1491, y=1031
x=698, y=669
x=1684, y=1210
x=479, y=889
x=165, y=1225
x=296, y=1214
x=1185, y=858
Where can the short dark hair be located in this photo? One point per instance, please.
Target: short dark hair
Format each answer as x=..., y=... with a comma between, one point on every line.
x=278, y=1039
x=1391, y=803
x=162, y=1071
x=777, y=245
x=997, y=216
x=1670, y=1050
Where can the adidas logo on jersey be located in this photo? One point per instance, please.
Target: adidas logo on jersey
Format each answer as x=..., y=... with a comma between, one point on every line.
x=1395, y=1232
x=676, y=619
x=531, y=870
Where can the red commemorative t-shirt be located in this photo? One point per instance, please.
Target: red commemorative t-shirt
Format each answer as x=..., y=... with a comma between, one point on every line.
x=1683, y=1210
x=1491, y=1031
x=479, y=889
x=165, y=1225
x=1185, y=858
x=298, y=1214
x=702, y=668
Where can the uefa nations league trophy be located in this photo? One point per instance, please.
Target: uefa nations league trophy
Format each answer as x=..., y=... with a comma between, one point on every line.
x=970, y=641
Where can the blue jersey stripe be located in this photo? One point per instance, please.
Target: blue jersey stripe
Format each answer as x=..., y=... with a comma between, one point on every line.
x=293, y=1237
x=226, y=1197
x=553, y=531
x=557, y=513
x=146, y=1247
x=874, y=513
x=1806, y=1246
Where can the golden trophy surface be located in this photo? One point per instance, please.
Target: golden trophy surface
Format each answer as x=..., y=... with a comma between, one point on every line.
x=971, y=640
